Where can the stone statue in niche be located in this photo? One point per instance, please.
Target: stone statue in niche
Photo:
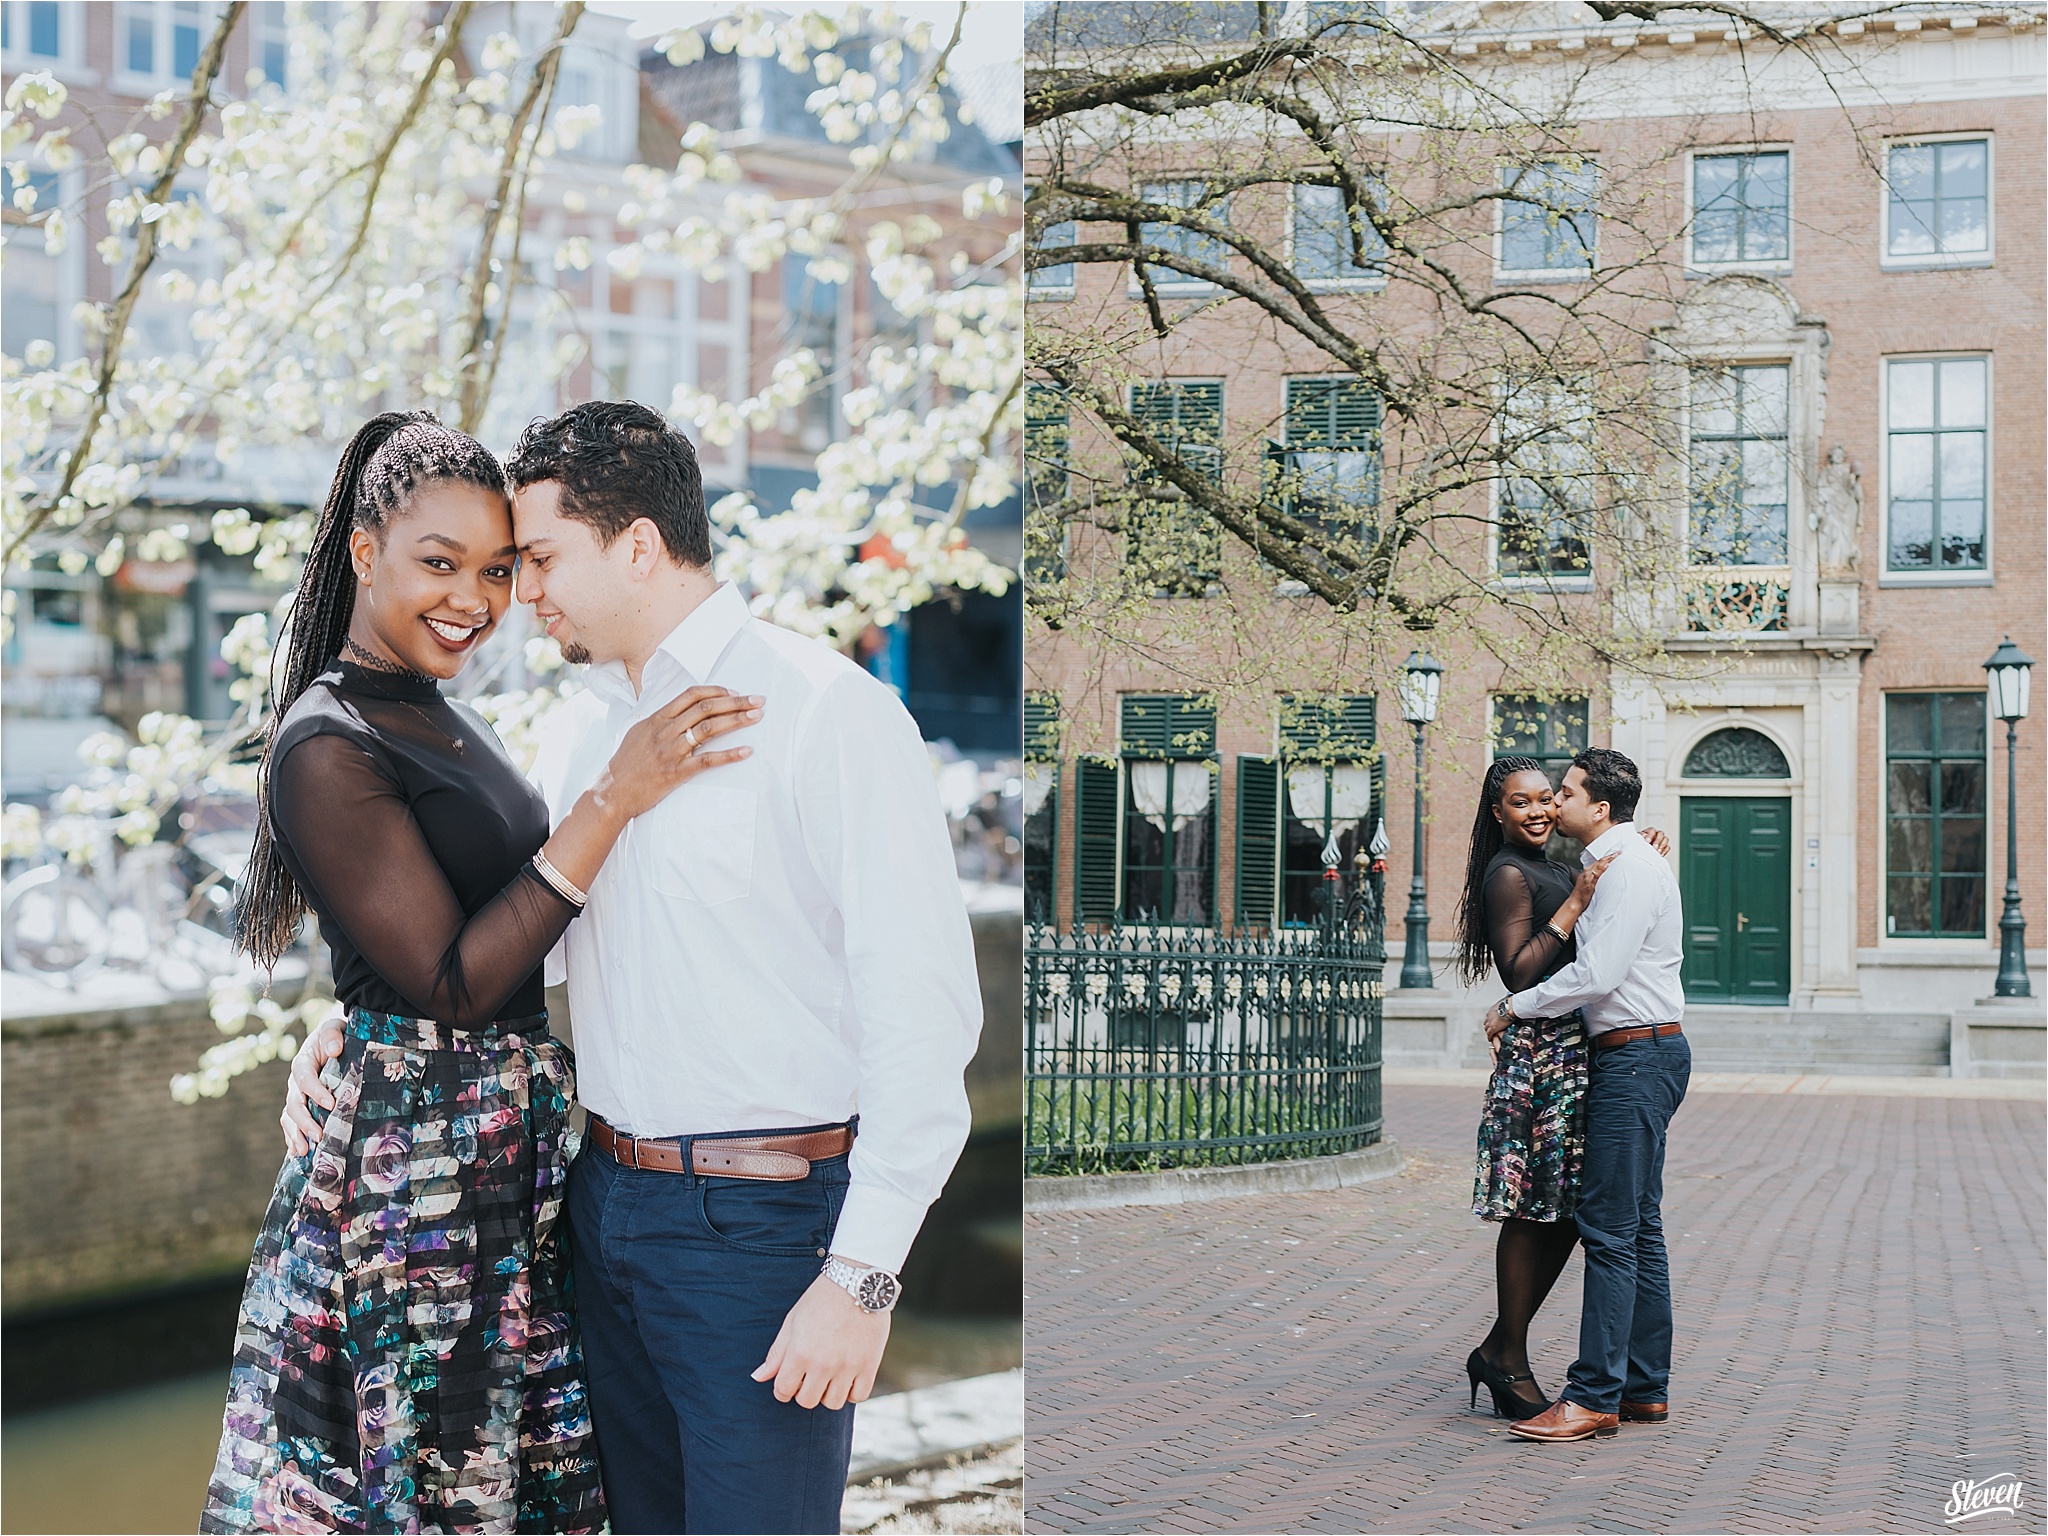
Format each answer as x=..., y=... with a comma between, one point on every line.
x=1838, y=515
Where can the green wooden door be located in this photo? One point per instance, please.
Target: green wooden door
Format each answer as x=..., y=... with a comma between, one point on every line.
x=1735, y=863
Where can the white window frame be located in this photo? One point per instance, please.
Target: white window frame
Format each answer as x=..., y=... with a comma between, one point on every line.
x=1493, y=698
x=70, y=261
x=1166, y=282
x=1369, y=284
x=1935, y=577
x=1926, y=942
x=1056, y=291
x=1294, y=22
x=789, y=422
x=163, y=73
x=1544, y=274
x=616, y=83
x=1988, y=257
x=202, y=261
x=262, y=28
x=1713, y=151
x=1541, y=581
x=1794, y=505
x=69, y=64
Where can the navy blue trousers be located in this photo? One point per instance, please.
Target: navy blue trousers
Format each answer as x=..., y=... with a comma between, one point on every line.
x=682, y=1282
x=1625, y=1322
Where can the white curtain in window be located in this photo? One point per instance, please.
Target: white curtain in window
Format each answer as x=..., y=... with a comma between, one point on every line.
x=1350, y=792
x=1190, y=792
x=1039, y=779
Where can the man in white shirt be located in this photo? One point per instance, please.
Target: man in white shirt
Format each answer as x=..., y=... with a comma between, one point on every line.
x=774, y=999
x=1625, y=983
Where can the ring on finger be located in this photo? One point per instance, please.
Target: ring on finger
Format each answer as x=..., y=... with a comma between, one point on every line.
x=690, y=736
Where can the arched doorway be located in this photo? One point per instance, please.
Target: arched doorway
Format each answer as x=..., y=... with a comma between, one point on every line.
x=1735, y=870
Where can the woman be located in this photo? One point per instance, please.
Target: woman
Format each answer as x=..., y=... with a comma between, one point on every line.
x=406, y=1357
x=1517, y=917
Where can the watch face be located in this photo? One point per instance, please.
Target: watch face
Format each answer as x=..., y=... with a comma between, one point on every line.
x=879, y=1290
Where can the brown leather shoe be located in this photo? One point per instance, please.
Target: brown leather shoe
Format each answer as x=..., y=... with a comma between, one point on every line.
x=1645, y=1413
x=1564, y=1420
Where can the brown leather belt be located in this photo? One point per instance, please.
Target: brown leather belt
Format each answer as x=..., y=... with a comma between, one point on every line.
x=1615, y=1037
x=782, y=1158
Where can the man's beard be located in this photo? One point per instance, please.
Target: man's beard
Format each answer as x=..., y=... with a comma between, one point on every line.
x=574, y=654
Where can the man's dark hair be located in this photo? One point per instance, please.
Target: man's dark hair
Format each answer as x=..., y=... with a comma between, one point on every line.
x=1613, y=778
x=618, y=461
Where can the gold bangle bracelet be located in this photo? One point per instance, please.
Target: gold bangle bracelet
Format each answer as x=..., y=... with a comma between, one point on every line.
x=1562, y=936
x=559, y=882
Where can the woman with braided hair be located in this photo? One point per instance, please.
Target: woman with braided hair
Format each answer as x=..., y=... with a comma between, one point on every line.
x=1516, y=918
x=406, y=1357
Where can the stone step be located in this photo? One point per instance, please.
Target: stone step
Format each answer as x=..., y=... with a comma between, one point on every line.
x=1778, y=1045
x=1768, y=1040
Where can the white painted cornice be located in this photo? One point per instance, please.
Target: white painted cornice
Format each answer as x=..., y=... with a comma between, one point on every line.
x=1706, y=31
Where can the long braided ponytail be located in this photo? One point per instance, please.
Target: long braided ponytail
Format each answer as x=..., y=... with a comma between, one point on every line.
x=1475, y=953
x=385, y=464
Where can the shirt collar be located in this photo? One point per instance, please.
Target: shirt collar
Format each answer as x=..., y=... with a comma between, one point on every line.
x=693, y=645
x=1610, y=841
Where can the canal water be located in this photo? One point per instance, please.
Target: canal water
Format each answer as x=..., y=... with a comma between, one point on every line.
x=139, y=1460
x=112, y=1412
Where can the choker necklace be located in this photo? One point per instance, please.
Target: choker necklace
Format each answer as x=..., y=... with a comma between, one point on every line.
x=376, y=663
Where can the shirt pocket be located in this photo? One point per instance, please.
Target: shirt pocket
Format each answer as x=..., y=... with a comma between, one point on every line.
x=704, y=844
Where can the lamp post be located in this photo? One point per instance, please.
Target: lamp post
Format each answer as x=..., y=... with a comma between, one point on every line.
x=2007, y=674
x=1421, y=679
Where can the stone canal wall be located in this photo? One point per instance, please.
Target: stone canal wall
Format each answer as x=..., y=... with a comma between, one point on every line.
x=108, y=1187
x=106, y=1184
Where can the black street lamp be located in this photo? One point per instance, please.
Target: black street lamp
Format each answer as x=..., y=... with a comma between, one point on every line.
x=2007, y=675
x=1421, y=678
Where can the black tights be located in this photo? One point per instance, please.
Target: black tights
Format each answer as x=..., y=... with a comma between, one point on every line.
x=1526, y=1263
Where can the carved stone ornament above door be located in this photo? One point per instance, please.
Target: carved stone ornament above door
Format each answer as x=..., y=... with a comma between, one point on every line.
x=1737, y=752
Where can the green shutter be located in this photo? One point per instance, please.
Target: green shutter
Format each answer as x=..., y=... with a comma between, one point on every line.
x=1332, y=413
x=1045, y=403
x=1189, y=410
x=1042, y=727
x=1152, y=407
x=1157, y=725
x=1328, y=729
x=1045, y=444
x=1258, y=841
x=1052, y=872
x=1098, y=792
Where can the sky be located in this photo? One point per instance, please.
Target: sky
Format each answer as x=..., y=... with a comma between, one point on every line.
x=993, y=34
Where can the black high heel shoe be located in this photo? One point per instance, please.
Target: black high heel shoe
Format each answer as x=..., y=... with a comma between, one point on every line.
x=1507, y=1402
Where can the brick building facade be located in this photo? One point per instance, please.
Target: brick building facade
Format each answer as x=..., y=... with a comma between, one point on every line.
x=1834, y=790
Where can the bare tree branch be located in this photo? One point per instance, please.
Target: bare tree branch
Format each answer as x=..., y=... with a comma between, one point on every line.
x=204, y=73
x=477, y=370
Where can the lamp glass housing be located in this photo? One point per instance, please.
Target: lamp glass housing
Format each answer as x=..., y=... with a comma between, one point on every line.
x=2009, y=676
x=1421, y=680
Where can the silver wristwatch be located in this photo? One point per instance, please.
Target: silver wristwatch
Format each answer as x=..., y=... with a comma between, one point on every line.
x=876, y=1290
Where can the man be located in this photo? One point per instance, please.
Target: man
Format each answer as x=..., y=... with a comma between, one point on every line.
x=1626, y=980
x=774, y=1000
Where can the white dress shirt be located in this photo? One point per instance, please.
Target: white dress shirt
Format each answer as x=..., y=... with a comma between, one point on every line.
x=782, y=941
x=1631, y=944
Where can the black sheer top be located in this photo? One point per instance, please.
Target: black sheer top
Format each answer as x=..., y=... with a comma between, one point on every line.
x=408, y=830
x=1523, y=891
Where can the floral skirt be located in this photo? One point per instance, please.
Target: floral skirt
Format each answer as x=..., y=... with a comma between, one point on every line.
x=406, y=1357
x=1532, y=1133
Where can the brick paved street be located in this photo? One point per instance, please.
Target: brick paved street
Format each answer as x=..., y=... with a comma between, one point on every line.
x=1859, y=1286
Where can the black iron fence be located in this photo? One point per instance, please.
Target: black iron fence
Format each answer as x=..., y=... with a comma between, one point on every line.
x=1149, y=1048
